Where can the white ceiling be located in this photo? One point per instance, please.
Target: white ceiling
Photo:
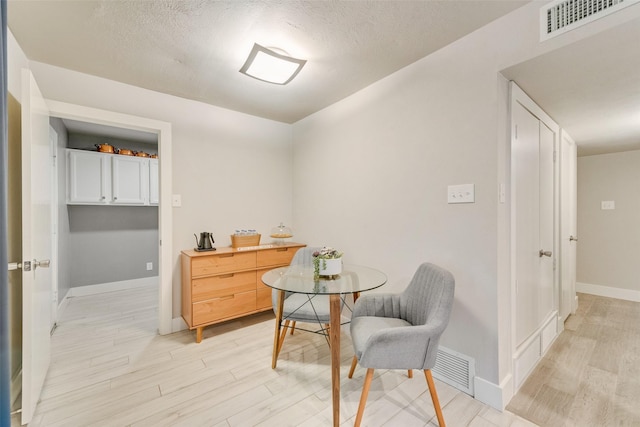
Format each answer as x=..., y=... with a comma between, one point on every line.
x=194, y=49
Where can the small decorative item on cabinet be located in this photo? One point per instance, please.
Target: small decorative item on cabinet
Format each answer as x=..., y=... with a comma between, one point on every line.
x=280, y=233
x=244, y=238
x=327, y=262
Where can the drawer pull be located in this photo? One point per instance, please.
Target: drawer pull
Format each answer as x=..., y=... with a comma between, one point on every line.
x=282, y=249
x=226, y=297
x=226, y=276
x=226, y=256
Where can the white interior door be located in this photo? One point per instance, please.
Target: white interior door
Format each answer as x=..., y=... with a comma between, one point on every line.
x=568, y=233
x=36, y=244
x=533, y=171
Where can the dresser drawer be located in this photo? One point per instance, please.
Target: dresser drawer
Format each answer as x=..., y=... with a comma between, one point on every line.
x=276, y=256
x=223, y=285
x=223, y=263
x=220, y=308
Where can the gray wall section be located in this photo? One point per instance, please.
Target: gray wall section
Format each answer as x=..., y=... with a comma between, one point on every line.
x=607, y=251
x=112, y=243
x=102, y=244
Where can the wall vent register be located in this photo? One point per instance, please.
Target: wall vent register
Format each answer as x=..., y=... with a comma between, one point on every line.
x=561, y=16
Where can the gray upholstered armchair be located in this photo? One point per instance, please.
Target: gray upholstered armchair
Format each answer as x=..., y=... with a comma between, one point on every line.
x=401, y=331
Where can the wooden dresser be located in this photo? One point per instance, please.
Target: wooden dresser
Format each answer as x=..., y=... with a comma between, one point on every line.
x=226, y=283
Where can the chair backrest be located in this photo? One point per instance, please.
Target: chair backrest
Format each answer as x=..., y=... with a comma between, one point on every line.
x=304, y=256
x=429, y=297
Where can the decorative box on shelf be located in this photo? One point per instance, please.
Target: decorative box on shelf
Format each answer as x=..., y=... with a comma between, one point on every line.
x=241, y=241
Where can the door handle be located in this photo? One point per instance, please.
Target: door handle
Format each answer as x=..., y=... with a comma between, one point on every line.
x=15, y=266
x=544, y=253
x=573, y=239
x=44, y=263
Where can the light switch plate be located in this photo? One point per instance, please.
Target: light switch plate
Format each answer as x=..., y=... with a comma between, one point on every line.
x=176, y=200
x=463, y=193
x=607, y=205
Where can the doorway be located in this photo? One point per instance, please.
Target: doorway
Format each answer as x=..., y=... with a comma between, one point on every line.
x=163, y=131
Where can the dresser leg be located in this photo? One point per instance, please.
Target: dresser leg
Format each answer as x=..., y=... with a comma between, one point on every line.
x=199, y=334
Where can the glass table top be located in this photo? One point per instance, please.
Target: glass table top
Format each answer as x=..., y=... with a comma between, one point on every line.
x=299, y=279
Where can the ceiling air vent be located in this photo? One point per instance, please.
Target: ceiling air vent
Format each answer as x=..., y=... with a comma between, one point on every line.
x=560, y=16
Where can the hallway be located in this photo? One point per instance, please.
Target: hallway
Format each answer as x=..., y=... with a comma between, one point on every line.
x=591, y=374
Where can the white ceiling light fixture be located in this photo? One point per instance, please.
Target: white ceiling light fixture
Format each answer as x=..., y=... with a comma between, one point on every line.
x=270, y=66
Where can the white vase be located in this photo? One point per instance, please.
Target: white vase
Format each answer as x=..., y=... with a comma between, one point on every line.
x=330, y=267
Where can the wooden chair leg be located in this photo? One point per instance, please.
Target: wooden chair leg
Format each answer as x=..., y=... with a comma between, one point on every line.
x=276, y=336
x=410, y=373
x=283, y=335
x=293, y=327
x=363, y=398
x=434, y=397
x=354, y=363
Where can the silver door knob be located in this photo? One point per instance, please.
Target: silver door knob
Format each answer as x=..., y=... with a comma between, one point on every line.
x=573, y=239
x=544, y=253
x=44, y=263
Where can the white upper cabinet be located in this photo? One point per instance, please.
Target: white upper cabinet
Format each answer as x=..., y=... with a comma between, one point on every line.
x=88, y=177
x=110, y=179
x=130, y=180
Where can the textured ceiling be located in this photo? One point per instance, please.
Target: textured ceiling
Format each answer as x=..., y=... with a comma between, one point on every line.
x=194, y=48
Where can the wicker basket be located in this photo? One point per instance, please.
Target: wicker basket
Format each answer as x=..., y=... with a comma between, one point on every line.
x=244, y=241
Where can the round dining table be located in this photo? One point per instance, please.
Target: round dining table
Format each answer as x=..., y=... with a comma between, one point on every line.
x=300, y=279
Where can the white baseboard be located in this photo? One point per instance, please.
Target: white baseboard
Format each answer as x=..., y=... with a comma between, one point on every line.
x=494, y=395
x=112, y=286
x=608, y=291
x=178, y=324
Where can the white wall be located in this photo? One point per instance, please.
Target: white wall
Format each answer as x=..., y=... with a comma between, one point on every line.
x=371, y=175
x=607, y=251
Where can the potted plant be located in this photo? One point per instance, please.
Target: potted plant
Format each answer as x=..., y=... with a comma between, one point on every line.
x=326, y=262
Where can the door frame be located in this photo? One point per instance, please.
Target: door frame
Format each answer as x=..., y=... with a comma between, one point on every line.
x=165, y=225
x=526, y=355
x=53, y=142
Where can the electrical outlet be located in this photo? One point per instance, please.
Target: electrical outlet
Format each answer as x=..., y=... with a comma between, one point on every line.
x=149, y=266
x=176, y=200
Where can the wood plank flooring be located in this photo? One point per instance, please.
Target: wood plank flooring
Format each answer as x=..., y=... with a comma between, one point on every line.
x=591, y=374
x=110, y=368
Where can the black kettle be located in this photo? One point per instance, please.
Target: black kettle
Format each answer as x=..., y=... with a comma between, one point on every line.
x=205, y=242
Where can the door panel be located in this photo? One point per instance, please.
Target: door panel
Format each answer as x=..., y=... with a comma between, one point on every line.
x=546, y=166
x=525, y=154
x=36, y=243
x=568, y=232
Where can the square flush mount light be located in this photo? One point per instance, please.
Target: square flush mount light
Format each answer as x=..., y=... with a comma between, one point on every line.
x=269, y=66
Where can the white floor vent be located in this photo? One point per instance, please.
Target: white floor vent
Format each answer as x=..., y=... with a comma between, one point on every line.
x=455, y=369
x=561, y=16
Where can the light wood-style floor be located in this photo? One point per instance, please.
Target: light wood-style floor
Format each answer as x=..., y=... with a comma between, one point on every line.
x=591, y=374
x=110, y=368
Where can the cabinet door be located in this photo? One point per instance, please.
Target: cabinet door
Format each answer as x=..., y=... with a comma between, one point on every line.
x=154, y=185
x=88, y=177
x=130, y=182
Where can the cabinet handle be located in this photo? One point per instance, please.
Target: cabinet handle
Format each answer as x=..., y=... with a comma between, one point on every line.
x=226, y=297
x=226, y=256
x=282, y=249
x=226, y=276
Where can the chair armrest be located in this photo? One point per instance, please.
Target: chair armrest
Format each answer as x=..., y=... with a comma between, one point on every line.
x=379, y=305
x=408, y=347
